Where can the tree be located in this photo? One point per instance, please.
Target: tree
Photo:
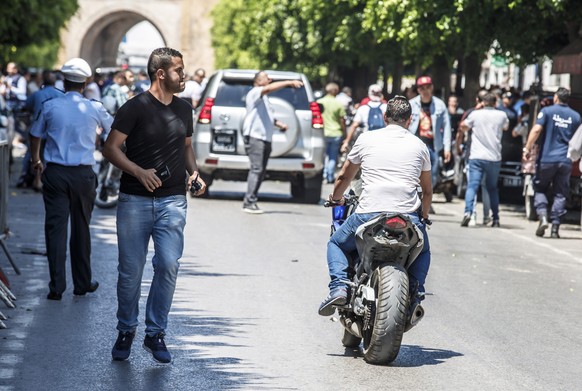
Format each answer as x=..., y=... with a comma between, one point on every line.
x=27, y=22
x=340, y=39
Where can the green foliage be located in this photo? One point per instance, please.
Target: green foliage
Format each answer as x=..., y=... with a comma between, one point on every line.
x=320, y=36
x=27, y=22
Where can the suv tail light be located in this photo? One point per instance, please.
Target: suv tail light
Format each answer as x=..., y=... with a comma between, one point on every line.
x=395, y=223
x=316, y=118
x=206, y=112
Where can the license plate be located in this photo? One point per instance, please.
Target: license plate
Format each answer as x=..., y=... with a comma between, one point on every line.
x=223, y=141
x=512, y=182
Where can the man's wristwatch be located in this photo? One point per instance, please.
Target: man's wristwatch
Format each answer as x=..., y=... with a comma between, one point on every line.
x=525, y=150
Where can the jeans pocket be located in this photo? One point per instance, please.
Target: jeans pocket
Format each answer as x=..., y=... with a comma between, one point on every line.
x=122, y=197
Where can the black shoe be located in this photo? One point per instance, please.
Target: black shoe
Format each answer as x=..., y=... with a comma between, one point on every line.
x=157, y=347
x=337, y=296
x=555, y=229
x=466, y=220
x=543, y=226
x=122, y=347
x=495, y=224
x=54, y=296
x=92, y=288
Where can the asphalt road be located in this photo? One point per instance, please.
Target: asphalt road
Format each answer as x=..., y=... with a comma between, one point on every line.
x=504, y=314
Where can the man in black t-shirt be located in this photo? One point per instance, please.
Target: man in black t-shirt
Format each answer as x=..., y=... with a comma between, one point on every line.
x=156, y=128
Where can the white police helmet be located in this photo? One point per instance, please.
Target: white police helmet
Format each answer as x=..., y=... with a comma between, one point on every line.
x=76, y=70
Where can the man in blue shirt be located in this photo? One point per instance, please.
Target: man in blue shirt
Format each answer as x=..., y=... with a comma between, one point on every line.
x=33, y=106
x=556, y=125
x=68, y=124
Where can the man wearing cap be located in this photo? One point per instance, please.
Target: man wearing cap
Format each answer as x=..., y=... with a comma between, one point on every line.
x=431, y=122
x=68, y=124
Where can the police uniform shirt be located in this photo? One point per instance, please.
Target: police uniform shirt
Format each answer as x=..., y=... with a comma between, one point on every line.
x=559, y=122
x=69, y=125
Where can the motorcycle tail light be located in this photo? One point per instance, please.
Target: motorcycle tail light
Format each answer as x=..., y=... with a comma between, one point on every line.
x=206, y=112
x=316, y=118
x=395, y=223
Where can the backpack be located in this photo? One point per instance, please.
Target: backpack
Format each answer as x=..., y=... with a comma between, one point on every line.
x=375, y=118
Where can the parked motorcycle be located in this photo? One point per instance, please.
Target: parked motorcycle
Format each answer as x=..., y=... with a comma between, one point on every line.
x=381, y=304
x=445, y=182
x=108, y=181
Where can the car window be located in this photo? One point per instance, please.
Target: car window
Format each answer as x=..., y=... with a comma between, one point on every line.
x=233, y=94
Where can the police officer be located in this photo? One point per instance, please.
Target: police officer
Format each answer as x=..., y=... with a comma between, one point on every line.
x=555, y=125
x=68, y=124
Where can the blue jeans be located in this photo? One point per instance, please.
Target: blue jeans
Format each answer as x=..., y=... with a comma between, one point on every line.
x=332, y=146
x=434, y=164
x=477, y=169
x=343, y=242
x=139, y=219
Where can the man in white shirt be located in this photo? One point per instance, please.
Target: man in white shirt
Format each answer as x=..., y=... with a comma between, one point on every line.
x=258, y=128
x=394, y=163
x=488, y=125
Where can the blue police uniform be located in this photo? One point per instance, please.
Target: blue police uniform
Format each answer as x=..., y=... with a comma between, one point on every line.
x=553, y=166
x=68, y=124
x=33, y=105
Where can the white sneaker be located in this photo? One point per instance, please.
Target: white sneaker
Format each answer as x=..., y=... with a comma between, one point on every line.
x=253, y=209
x=473, y=221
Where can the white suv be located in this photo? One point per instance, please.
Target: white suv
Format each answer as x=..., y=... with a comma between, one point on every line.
x=298, y=154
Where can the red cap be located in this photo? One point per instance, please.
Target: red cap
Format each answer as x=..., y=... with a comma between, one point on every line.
x=423, y=81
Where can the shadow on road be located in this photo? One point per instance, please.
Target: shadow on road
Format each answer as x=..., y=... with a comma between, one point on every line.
x=410, y=356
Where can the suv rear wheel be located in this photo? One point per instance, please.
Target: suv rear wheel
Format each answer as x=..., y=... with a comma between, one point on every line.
x=307, y=190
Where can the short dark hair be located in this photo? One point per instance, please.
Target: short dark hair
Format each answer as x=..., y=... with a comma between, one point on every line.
x=525, y=108
x=257, y=75
x=489, y=99
x=48, y=78
x=563, y=95
x=161, y=58
x=398, y=110
x=73, y=86
x=481, y=94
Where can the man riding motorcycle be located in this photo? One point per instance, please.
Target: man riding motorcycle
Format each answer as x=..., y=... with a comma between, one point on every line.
x=393, y=163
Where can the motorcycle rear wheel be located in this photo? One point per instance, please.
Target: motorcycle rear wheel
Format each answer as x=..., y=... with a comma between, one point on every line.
x=382, y=341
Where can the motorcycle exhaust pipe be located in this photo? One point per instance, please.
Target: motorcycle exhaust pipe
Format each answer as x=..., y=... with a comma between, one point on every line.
x=416, y=317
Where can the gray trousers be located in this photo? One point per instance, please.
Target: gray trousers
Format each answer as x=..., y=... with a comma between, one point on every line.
x=258, y=152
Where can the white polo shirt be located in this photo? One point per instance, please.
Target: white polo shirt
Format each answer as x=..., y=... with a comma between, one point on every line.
x=391, y=161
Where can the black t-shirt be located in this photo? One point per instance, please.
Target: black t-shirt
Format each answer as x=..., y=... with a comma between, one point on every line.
x=156, y=136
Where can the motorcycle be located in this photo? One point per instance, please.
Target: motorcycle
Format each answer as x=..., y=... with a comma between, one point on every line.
x=108, y=181
x=381, y=305
x=445, y=182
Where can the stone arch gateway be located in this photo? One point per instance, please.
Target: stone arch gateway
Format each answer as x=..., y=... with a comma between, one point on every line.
x=96, y=30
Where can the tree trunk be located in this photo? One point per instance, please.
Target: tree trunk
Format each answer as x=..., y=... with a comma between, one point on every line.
x=358, y=78
x=459, y=79
x=397, y=78
x=472, y=73
x=441, y=77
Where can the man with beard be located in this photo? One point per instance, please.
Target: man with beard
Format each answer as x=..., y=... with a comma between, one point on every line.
x=156, y=127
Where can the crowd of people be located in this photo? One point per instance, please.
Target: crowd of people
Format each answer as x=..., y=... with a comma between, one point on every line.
x=394, y=149
x=23, y=91
x=452, y=133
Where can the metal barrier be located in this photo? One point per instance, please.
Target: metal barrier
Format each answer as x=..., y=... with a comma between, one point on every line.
x=5, y=294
